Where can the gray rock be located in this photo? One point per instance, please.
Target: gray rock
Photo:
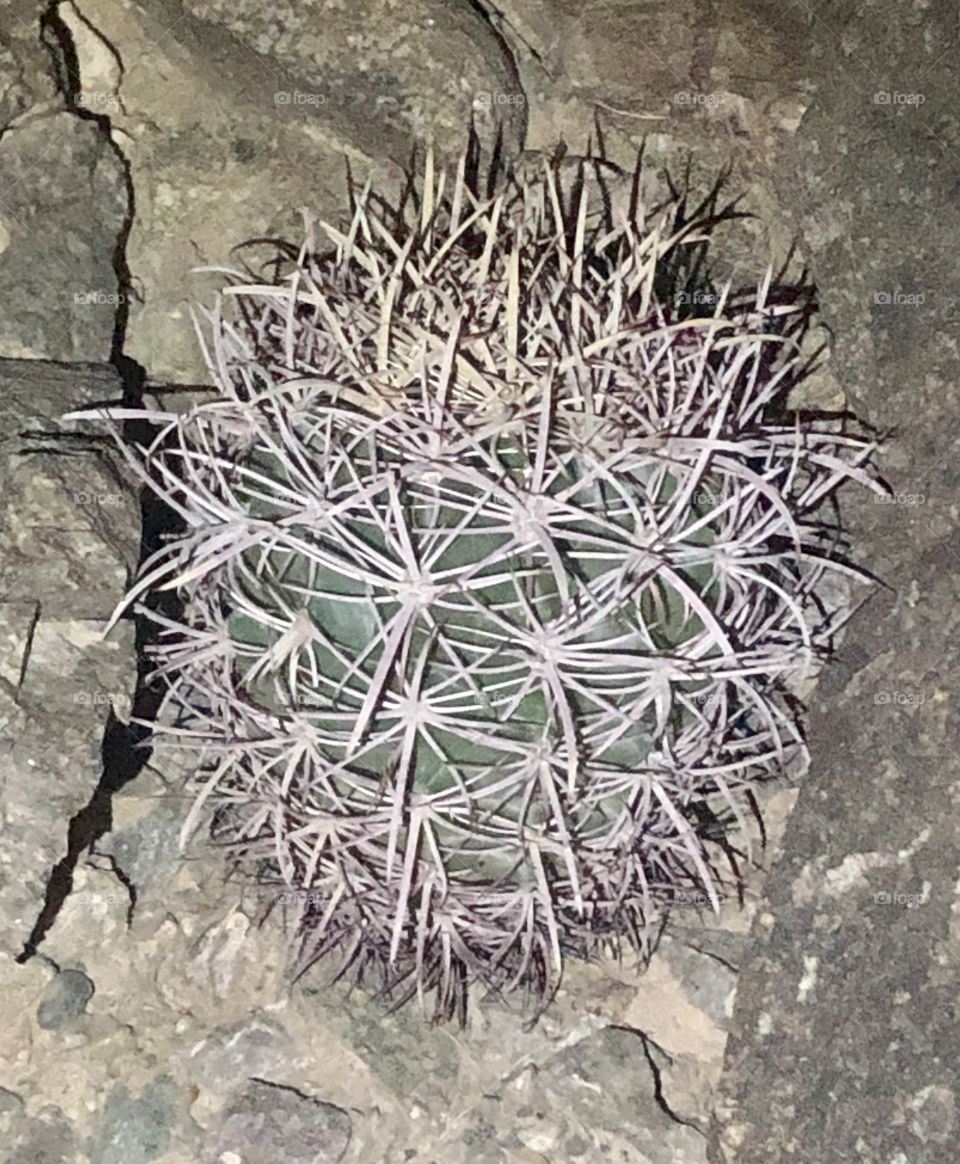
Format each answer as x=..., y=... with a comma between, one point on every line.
x=50, y=742
x=706, y=981
x=26, y=75
x=207, y=184
x=260, y=1047
x=66, y=998
x=12, y=1116
x=148, y=849
x=69, y=537
x=47, y=1139
x=10, y=1102
x=595, y=1099
x=64, y=203
x=34, y=394
x=421, y=68
x=265, y=1124
x=384, y=1039
x=844, y=1034
x=135, y=1130
x=604, y=1084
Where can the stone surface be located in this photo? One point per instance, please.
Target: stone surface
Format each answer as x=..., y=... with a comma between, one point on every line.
x=70, y=537
x=135, y=1129
x=844, y=1032
x=63, y=567
x=65, y=999
x=47, y=1138
x=60, y=178
x=264, y=1123
x=214, y=159
x=26, y=73
x=422, y=68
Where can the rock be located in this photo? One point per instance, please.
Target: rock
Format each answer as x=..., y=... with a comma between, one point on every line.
x=384, y=1041
x=50, y=742
x=261, y=1047
x=603, y=1091
x=843, y=1035
x=46, y=1139
x=63, y=567
x=95, y=86
x=12, y=1110
x=595, y=1097
x=66, y=999
x=649, y=60
x=144, y=841
x=265, y=1123
x=136, y=1129
x=423, y=67
x=208, y=184
x=672, y=81
x=10, y=1102
x=66, y=504
x=26, y=76
x=64, y=208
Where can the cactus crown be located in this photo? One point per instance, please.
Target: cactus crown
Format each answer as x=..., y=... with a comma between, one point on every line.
x=496, y=567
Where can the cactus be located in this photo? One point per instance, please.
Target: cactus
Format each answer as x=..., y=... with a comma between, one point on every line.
x=498, y=567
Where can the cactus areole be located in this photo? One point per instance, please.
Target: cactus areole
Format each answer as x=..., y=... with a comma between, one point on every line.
x=496, y=568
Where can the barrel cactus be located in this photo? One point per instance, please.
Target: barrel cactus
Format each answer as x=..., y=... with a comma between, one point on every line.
x=498, y=564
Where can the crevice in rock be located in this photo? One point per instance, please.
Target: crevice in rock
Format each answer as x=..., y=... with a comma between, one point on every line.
x=494, y=19
x=497, y=20
x=658, y=1095
x=28, y=644
x=125, y=748
x=120, y=764
x=125, y=880
x=59, y=41
x=283, y=1087
x=711, y=954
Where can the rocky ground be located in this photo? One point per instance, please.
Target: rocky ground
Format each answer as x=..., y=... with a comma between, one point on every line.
x=146, y=1019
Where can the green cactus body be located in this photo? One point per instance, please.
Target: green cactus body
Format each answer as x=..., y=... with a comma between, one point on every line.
x=486, y=584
